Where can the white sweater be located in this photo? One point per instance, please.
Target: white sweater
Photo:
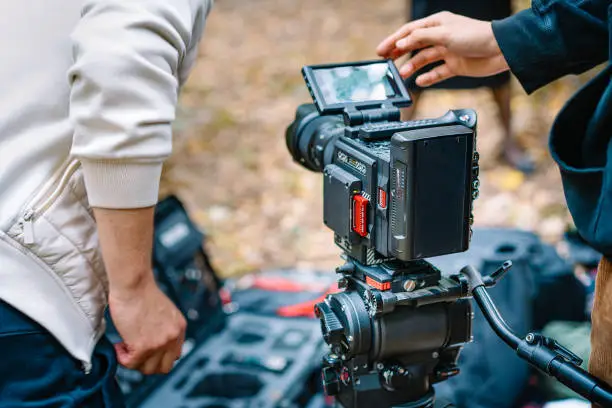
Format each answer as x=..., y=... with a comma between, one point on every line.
x=96, y=81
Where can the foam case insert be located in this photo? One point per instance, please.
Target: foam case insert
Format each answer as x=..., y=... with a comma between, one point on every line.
x=257, y=362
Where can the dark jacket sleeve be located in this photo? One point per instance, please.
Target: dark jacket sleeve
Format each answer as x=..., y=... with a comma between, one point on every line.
x=554, y=38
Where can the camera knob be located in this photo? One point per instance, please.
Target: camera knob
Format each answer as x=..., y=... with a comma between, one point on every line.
x=331, y=380
x=332, y=328
x=378, y=303
x=396, y=377
x=332, y=360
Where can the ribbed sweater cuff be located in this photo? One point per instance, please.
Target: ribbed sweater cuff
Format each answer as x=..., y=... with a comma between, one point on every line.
x=113, y=184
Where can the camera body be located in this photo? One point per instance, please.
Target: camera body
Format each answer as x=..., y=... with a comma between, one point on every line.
x=392, y=189
x=394, y=193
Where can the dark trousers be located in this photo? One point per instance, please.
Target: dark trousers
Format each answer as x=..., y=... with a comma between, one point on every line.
x=37, y=372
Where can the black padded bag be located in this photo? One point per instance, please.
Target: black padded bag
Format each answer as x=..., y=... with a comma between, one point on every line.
x=492, y=376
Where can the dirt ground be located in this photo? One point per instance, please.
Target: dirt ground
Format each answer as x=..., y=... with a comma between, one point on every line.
x=230, y=164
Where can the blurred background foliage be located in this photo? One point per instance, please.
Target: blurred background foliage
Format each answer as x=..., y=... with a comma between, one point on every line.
x=230, y=164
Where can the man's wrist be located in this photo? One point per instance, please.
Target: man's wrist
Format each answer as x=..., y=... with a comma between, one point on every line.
x=130, y=281
x=524, y=56
x=492, y=45
x=126, y=238
x=499, y=64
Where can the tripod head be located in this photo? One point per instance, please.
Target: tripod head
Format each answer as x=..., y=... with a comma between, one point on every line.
x=396, y=329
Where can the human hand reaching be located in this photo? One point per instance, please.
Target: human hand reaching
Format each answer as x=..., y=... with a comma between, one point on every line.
x=466, y=46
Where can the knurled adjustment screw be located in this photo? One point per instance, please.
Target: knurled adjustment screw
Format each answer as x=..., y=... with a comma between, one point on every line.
x=331, y=360
x=347, y=268
x=409, y=285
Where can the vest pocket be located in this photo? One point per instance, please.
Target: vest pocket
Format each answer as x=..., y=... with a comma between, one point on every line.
x=59, y=229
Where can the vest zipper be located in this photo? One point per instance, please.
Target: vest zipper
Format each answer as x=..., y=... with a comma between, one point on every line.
x=30, y=214
x=87, y=367
x=28, y=228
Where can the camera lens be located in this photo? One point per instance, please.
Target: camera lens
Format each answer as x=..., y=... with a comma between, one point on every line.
x=309, y=137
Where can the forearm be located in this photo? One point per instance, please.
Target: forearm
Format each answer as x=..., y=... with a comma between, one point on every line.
x=151, y=327
x=130, y=57
x=552, y=39
x=126, y=239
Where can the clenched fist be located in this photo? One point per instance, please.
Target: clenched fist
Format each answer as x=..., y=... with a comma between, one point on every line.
x=152, y=328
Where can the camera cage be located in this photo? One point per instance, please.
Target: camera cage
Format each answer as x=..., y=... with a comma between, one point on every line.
x=401, y=99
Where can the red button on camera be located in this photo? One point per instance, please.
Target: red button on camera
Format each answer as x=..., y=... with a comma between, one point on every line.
x=382, y=198
x=360, y=215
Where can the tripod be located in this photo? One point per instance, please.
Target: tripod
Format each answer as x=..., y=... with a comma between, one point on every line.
x=396, y=329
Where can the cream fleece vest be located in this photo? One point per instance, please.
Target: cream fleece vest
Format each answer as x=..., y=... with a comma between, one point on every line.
x=88, y=91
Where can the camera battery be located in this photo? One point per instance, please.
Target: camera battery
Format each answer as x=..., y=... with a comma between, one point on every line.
x=431, y=191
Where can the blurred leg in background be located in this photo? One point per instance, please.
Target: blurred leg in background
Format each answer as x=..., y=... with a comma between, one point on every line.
x=510, y=152
x=600, y=362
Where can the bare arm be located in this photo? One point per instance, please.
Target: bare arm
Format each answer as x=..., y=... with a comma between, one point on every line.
x=151, y=327
x=130, y=57
x=126, y=237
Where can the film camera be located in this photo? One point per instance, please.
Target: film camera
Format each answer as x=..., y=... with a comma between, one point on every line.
x=394, y=193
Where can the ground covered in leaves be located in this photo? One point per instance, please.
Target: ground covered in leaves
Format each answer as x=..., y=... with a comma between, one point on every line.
x=230, y=164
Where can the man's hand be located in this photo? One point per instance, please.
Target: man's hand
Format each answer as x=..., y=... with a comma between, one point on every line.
x=467, y=47
x=151, y=327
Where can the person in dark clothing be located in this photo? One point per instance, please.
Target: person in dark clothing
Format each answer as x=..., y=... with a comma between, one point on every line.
x=551, y=39
x=499, y=84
